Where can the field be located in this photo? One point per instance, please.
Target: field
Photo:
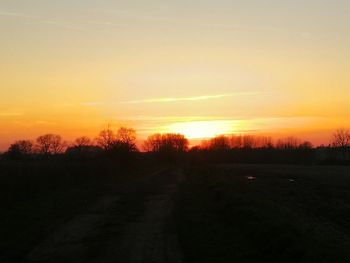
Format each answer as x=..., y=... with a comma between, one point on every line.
x=57, y=211
x=265, y=213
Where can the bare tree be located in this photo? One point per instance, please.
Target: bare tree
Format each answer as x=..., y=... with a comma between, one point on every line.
x=82, y=142
x=83, y=147
x=126, y=135
x=166, y=143
x=249, y=142
x=153, y=143
x=341, y=138
x=118, y=144
x=105, y=139
x=236, y=141
x=20, y=148
x=220, y=142
x=264, y=142
x=125, y=141
x=288, y=143
x=176, y=142
x=50, y=144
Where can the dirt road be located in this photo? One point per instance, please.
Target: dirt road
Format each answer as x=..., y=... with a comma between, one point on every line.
x=131, y=226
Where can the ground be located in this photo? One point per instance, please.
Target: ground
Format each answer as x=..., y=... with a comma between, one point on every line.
x=265, y=213
x=101, y=235
x=197, y=213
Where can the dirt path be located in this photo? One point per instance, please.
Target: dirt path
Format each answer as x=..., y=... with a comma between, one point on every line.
x=103, y=236
x=148, y=238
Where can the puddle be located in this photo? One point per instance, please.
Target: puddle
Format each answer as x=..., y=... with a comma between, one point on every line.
x=250, y=177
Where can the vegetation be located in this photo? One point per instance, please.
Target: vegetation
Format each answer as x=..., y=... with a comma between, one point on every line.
x=220, y=212
x=121, y=146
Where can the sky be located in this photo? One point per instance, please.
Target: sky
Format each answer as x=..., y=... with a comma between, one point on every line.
x=196, y=67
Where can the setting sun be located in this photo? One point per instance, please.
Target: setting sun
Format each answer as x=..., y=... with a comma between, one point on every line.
x=203, y=129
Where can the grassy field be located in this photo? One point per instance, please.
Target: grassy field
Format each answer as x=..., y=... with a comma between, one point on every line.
x=265, y=213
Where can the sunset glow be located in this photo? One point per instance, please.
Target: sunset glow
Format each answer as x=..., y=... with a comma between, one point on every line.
x=271, y=67
x=202, y=129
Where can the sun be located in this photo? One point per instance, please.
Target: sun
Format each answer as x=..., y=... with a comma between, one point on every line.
x=202, y=129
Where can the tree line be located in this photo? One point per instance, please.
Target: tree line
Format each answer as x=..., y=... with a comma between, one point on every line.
x=224, y=142
x=121, y=144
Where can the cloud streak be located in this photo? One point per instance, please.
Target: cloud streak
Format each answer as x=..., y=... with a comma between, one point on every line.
x=62, y=25
x=125, y=14
x=11, y=114
x=15, y=14
x=193, y=99
x=134, y=16
x=41, y=20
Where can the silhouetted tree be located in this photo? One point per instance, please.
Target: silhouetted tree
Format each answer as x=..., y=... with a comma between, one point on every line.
x=166, y=143
x=106, y=139
x=288, y=143
x=119, y=146
x=236, y=142
x=306, y=145
x=20, y=149
x=341, y=138
x=250, y=142
x=168, y=147
x=50, y=144
x=82, y=141
x=178, y=142
x=125, y=141
x=126, y=135
x=153, y=143
x=83, y=148
x=219, y=143
x=264, y=142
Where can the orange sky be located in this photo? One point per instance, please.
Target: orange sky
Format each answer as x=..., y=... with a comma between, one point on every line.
x=196, y=67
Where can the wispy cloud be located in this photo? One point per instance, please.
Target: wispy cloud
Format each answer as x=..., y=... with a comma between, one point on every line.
x=100, y=23
x=63, y=25
x=11, y=113
x=125, y=14
x=41, y=20
x=195, y=98
x=172, y=118
x=15, y=14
